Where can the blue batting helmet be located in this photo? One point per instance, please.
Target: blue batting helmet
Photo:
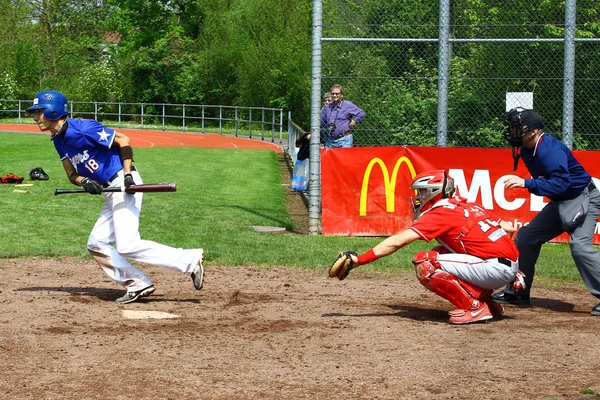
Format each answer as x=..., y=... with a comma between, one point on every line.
x=53, y=103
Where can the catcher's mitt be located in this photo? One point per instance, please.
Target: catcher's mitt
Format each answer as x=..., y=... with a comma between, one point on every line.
x=342, y=265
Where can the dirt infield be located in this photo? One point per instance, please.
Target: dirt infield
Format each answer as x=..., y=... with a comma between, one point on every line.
x=272, y=334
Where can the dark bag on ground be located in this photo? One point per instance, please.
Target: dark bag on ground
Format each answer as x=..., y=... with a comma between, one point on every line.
x=573, y=211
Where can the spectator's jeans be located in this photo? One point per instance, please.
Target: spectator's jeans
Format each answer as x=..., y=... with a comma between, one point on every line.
x=546, y=226
x=344, y=141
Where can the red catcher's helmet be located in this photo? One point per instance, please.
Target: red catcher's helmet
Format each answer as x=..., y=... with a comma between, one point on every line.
x=431, y=186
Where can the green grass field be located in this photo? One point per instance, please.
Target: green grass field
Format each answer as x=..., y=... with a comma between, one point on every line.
x=221, y=194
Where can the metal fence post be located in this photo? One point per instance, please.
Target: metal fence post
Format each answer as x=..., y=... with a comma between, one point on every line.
x=273, y=126
x=19, y=111
x=569, y=73
x=221, y=120
x=236, y=121
x=314, y=178
x=250, y=122
x=443, y=68
x=281, y=126
x=163, y=116
x=183, y=118
x=119, y=123
x=202, y=119
x=262, y=124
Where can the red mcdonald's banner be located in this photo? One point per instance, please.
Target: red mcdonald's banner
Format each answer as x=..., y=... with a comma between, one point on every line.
x=366, y=189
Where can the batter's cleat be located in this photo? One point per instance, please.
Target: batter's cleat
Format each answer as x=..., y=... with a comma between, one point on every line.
x=596, y=309
x=479, y=313
x=505, y=297
x=197, y=273
x=130, y=297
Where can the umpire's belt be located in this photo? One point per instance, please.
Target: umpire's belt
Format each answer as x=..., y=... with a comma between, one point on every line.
x=591, y=185
x=115, y=176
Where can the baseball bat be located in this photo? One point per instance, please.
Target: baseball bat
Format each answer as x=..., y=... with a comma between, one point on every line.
x=149, y=187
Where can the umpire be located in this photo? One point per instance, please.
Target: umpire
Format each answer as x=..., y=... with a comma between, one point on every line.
x=561, y=178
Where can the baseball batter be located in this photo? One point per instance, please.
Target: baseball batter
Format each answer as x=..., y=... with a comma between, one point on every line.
x=96, y=157
x=475, y=254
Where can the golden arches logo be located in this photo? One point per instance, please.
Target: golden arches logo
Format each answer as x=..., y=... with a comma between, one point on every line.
x=389, y=182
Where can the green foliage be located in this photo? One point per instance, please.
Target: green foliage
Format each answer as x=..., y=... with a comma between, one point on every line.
x=98, y=82
x=8, y=89
x=258, y=53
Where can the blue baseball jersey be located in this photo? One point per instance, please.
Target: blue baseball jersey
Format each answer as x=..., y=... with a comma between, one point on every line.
x=88, y=145
x=555, y=172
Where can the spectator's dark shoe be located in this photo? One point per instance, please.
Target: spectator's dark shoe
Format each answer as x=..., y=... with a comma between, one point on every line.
x=596, y=310
x=505, y=297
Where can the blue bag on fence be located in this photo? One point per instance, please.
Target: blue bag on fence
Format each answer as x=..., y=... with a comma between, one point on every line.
x=300, y=175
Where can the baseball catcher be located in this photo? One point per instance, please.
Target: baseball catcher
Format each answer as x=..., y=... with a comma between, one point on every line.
x=474, y=257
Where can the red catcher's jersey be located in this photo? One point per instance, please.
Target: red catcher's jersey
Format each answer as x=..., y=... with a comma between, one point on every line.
x=465, y=228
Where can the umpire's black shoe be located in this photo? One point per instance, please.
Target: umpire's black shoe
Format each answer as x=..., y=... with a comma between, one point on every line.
x=130, y=297
x=596, y=310
x=505, y=297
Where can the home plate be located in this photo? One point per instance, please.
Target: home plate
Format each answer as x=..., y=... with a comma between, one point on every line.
x=135, y=314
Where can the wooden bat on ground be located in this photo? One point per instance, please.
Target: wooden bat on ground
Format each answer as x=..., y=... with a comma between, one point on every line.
x=150, y=187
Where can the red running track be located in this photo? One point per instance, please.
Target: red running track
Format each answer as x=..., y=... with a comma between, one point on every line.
x=148, y=138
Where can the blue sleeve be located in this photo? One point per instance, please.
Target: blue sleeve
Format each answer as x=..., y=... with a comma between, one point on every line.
x=557, y=177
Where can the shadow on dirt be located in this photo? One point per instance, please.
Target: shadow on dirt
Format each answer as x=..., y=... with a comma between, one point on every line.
x=102, y=294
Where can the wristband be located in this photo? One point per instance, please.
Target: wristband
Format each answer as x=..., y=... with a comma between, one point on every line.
x=126, y=153
x=73, y=177
x=367, y=257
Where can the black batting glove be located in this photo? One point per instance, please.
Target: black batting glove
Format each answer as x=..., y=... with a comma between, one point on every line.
x=128, y=180
x=91, y=186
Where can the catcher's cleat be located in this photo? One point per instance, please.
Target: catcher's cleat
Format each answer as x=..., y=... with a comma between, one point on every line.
x=478, y=313
x=130, y=297
x=496, y=309
x=505, y=297
x=197, y=273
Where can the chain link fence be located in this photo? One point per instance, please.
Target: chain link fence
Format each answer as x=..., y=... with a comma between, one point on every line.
x=386, y=55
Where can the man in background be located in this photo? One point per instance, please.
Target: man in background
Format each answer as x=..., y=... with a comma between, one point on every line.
x=338, y=119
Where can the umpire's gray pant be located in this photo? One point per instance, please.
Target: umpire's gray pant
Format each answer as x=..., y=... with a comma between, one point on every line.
x=545, y=226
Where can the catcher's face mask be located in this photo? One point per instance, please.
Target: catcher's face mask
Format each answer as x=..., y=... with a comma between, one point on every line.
x=38, y=174
x=518, y=122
